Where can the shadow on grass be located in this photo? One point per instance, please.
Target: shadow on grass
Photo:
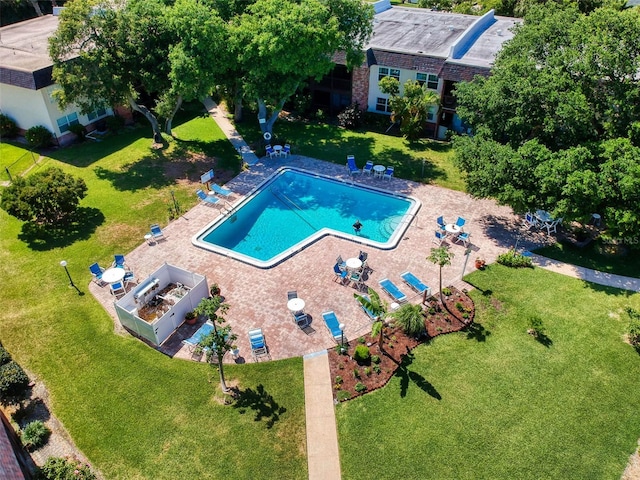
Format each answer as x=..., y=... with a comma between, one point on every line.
x=542, y=339
x=406, y=376
x=81, y=227
x=261, y=402
x=477, y=332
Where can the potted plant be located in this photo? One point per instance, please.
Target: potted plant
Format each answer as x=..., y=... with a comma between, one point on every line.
x=190, y=317
x=214, y=290
x=480, y=263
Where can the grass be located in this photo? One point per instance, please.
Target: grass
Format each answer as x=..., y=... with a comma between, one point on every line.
x=134, y=412
x=495, y=403
x=593, y=256
x=16, y=159
x=329, y=142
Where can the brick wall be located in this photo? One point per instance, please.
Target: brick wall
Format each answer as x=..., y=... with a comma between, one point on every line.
x=360, y=86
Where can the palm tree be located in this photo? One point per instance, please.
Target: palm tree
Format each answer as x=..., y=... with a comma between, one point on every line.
x=409, y=317
x=442, y=257
x=220, y=340
x=378, y=309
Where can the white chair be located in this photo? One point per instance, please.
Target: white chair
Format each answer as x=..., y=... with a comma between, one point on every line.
x=156, y=231
x=388, y=173
x=551, y=227
x=129, y=277
x=368, y=168
x=286, y=150
x=529, y=220
x=117, y=289
x=270, y=151
x=440, y=237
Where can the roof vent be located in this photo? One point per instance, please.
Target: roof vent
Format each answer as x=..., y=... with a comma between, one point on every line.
x=450, y=27
x=499, y=32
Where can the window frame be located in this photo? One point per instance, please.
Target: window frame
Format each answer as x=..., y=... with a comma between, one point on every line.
x=430, y=79
x=67, y=121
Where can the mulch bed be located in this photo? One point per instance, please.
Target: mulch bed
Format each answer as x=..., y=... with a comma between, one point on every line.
x=346, y=373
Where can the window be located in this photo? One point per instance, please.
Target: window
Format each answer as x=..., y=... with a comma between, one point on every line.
x=101, y=112
x=388, y=72
x=430, y=79
x=65, y=122
x=431, y=114
x=382, y=105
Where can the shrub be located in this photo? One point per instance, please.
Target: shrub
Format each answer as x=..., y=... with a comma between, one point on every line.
x=361, y=354
x=432, y=311
x=377, y=369
x=338, y=380
x=78, y=130
x=536, y=328
x=375, y=359
x=13, y=381
x=342, y=395
x=367, y=371
x=115, y=123
x=514, y=259
x=5, y=357
x=360, y=387
x=633, y=331
x=446, y=291
x=35, y=434
x=350, y=117
x=361, y=340
x=409, y=318
x=356, y=373
x=320, y=115
x=38, y=137
x=459, y=306
x=8, y=126
x=58, y=468
x=376, y=120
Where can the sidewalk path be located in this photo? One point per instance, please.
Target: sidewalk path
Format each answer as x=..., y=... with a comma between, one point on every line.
x=587, y=274
x=323, y=456
x=219, y=114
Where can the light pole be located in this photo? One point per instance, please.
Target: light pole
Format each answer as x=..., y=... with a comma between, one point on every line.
x=341, y=327
x=63, y=264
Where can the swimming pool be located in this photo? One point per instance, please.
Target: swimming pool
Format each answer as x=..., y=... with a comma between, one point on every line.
x=294, y=208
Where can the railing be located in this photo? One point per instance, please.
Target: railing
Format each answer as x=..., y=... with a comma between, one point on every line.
x=286, y=201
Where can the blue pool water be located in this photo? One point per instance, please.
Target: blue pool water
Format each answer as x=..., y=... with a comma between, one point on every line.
x=294, y=208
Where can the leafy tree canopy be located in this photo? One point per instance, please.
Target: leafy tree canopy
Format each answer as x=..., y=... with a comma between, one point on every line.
x=47, y=197
x=556, y=125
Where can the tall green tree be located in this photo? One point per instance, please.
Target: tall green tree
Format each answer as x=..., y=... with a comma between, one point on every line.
x=379, y=310
x=442, y=257
x=562, y=92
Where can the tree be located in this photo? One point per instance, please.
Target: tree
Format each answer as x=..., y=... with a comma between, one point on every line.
x=221, y=339
x=378, y=309
x=442, y=257
x=409, y=317
x=562, y=97
x=410, y=109
x=47, y=197
x=104, y=53
x=280, y=44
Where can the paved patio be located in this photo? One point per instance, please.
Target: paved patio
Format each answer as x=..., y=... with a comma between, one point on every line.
x=258, y=297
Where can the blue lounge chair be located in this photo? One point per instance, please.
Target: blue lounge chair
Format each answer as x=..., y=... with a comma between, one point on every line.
x=118, y=261
x=96, y=270
x=200, y=334
x=225, y=192
x=351, y=165
x=156, y=232
x=332, y=323
x=207, y=198
x=368, y=168
x=390, y=287
x=413, y=281
x=369, y=313
x=258, y=343
x=388, y=173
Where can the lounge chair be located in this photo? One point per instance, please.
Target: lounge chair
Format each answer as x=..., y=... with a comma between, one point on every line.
x=369, y=313
x=368, y=168
x=225, y=192
x=463, y=237
x=286, y=151
x=415, y=283
x=388, y=173
x=96, y=271
x=118, y=261
x=332, y=323
x=156, y=232
x=211, y=200
x=390, y=287
x=441, y=223
x=440, y=237
x=351, y=165
x=258, y=343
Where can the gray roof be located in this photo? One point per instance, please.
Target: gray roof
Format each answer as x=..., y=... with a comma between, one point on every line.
x=24, y=54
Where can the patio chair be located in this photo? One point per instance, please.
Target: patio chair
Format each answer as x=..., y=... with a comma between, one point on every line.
x=258, y=343
x=440, y=237
x=368, y=168
x=208, y=199
x=552, y=226
x=270, y=151
x=339, y=273
x=391, y=288
x=292, y=294
x=96, y=271
x=351, y=165
x=286, y=150
x=441, y=223
x=463, y=237
x=333, y=325
x=129, y=277
x=118, y=261
x=388, y=173
x=363, y=256
x=117, y=289
x=530, y=220
x=415, y=283
x=341, y=262
x=356, y=278
x=301, y=319
x=460, y=222
x=366, y=310
x=225, y=192
x=156, y=231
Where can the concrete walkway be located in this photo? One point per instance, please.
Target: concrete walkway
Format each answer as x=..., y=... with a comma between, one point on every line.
x=323, y=457
x=587, y=274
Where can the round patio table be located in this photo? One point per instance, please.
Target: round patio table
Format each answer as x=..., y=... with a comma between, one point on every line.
x=353, y=263
x=278, y=149
x=113, y=275
x=452, y=228
x=295, y=305
x=378, y=170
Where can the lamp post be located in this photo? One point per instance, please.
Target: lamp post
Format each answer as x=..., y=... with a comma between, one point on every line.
x=341, y=327
x=63, y=264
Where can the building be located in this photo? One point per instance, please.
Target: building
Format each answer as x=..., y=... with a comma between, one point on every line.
x=438, y=49
x=26, y=85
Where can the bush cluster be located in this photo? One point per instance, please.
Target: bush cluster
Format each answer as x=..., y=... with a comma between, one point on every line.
x=5, y=357
x=633, y=331
x=360, y=387
x=38, y=137
x=350, y=117
x=115, y=123
x=78, y=130
x=65, y=468
x=361, y=354
x=8, y=126
x=13, y=382
x=35, y=434
x=515, y=260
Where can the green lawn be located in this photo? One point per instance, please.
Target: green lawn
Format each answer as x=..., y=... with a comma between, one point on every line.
x=333, y=144
x=134, y=412
x=500, y=405
x=17, y=159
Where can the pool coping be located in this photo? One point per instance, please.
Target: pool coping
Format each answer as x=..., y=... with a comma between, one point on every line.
x=414, y=208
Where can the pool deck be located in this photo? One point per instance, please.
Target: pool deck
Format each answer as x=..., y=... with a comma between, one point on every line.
x=258, y=297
